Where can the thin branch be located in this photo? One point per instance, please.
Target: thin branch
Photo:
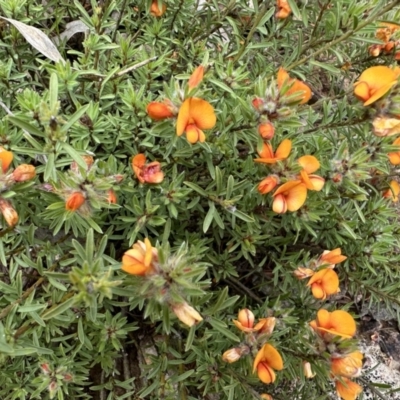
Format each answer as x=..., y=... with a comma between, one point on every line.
x=134, y=67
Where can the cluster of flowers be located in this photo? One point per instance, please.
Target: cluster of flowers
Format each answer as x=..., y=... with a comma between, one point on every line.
x=143, y=260
x=22, y=173
x=299, y=178
x=82, y=189
x=332, y=328
x=324, y=280
x=379, y=87
x=385, y=33
x=345, y=363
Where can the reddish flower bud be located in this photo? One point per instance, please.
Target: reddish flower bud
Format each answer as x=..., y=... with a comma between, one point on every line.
x=159, y=111
x=266, y=130
x=155, y=10
x=74, y=201
x=196, y=77
x=111, y=196
x=24, y=172
x=257, y=103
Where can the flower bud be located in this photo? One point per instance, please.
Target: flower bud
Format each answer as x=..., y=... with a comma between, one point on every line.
x=88, y=161
x=111, y=196
x=246, y=318
x=155, y=10
x=258, y=104
x=24, y=172
x=187, y=314
x=265, y=325
x=303, y=273
x=266, y=396
x=196, y=77
x=308, y=373
x=266, y=130
x=9, y=214
x=74, y=201
x=6, y=158
x=268, y=184
x=159, y=111
x=232, y=355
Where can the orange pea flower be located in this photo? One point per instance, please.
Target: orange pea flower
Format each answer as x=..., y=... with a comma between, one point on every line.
x=195, y=115
x=384, y=126
x=266, y=130
x=375, y=82
x=24, y=172
x=324, y=283
x=336, y=323
x=147, y=173
x=392, y=192
x=394, y=157
x=268, y=184
x=196, y=77
x=266, y=396
x=140, y=259
x=245, y=321
x=6, y=158
x=74, y=201
x=349, y=365
x=159, y=111
x=310, y=164
x=268, y=156
x=155, y=10
x=331, y=257
x=298, y=90
x=266, y=362
x=265, y=325
x=284, y=9
x=289, y=197
x=347, y=389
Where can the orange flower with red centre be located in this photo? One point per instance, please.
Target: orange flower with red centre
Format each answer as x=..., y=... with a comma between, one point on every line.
x=336, y=323
x=298, y=91
x=147, y=173
x=324, y=283
x=289, y=197
x=266, y=362
x=195, y=115
x=268, y=156
x=393, y=191
x=139, y=260
x=196, y=77
x=394, y=156
x=156, y=10
x=375, y=82
x=268, y=184
x=6, y=158
x=332, y=257
x=347, y=389
x=75, y=201
x=310, y=164
x=349, y=365
x=159, y=111
x=284, y=9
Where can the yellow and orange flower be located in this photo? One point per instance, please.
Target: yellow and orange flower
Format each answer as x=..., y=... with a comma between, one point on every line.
x=332, y=257
x=147, y=173
x=156, y=10
x=245, y=321
x=394, y=156
x=375, y=82
x=324, y=283
x=6, y=158
x=268, y=156
x=266, y=396
x=384, y=126
x=266, y=130
x=268, y=184
x=284, y=9
x=310, y=164
x=74, y=201
x=195, y=115
x=187, y=314
x=265, y=326
x=298, y=91
x=266, y=362
x=196, y=77
x=392, y=192
x=289, y=197
x=347, y=389
x=336, y=323
x=140, y=259
x=161, y=110
x=348, y=365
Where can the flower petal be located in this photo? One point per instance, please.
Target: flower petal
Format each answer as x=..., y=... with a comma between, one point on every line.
x=265, y=373
x=309, y=163
x=283, y=149
x=183, y=117
x=202, y=113
x=296, y=197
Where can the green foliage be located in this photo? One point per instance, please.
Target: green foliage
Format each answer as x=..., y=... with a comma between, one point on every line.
x=72, y=324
